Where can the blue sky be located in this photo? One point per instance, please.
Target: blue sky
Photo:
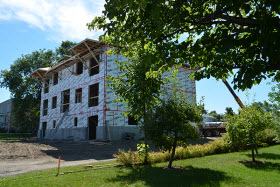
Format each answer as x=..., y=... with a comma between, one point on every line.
x=29, y=25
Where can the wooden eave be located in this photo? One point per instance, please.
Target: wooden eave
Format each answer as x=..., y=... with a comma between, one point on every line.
x=82, y=49
x=39, y=73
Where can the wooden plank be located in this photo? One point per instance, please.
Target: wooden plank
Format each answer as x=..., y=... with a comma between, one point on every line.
x=44, y=80
x=38, y=82
x=92, y=53
x=94, y=66
x=70, y=70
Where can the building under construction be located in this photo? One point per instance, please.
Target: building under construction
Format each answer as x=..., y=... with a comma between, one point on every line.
x=77, y=104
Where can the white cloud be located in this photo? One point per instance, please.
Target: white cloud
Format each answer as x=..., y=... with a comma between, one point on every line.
x=62, y=19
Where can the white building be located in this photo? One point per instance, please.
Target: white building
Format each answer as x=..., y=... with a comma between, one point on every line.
x=76, y=104
x=6, y=116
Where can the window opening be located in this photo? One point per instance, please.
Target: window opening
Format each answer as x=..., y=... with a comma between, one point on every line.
x=45, y=107
x=54, y=123
x=93, y=95
x=79, y=68
x=46, y=86
x=78, y=95
x=54, y=102
x=55, y=78
x=65, y=100
x=94, y=66
x=132, y=120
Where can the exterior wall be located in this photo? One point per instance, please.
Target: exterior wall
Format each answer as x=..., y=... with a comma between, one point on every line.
x=109, y=113
x=6, y=116
x=186, y=85
x=67, y=80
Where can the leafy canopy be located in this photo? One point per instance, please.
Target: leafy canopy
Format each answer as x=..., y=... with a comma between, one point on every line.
x=218, y=36
x=171, y=123
x=25, y=91
x=247, y=126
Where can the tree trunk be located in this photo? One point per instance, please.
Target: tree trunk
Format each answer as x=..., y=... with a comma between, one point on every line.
x=253, y=155
x=173, y=153
x=256, y=150
x=146, y=144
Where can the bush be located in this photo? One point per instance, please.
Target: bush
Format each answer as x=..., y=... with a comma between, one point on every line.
x=219, y=146
x=268, y=136
x=128, y=159
x=216, y=147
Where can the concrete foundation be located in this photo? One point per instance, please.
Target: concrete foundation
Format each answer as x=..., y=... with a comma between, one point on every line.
x=116, y=132
x=66, y=133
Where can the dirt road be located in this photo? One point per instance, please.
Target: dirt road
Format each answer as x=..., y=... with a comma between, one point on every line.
x=31, y=155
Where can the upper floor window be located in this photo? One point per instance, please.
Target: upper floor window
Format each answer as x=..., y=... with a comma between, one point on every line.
x=79, y=68
x=46, y=86
x=65, y=100
x=55, y=78
x=54, y=102
x=78, y=95
x=45, y=107
x=93, y=95
x=93, y=66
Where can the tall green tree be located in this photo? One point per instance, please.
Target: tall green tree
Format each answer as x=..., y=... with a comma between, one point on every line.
x=171, y=122
x=267, y=107
x=274, y=95
x=219, y=36
x=229, y=111
x=218, y=117
x=138, y=87
x=247, y=126
x=25, y=91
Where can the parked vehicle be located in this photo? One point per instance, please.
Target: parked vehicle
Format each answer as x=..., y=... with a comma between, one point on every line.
x=212, y=128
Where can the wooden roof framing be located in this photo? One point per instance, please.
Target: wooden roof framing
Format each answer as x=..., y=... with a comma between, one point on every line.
x=82, y=50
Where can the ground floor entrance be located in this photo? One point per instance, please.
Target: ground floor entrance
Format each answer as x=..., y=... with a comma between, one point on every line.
x=92, y=124
x=44, y=127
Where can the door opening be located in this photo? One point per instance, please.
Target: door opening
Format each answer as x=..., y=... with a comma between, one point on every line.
x=92, y=124
x=44, y=127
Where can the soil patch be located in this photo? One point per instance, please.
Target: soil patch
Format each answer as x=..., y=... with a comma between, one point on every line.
x=32, y=154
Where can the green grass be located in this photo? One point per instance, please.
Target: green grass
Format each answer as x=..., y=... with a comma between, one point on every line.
x=15, y=135
x=214, y=170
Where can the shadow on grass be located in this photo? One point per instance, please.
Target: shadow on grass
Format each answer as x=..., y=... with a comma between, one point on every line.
x=269, y=156
x=266, y=166
x=156, y=176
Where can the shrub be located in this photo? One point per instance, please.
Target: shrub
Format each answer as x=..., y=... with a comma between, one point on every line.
x=268, y=136
x=247, y=127
x=219, y=146
x=129, y=158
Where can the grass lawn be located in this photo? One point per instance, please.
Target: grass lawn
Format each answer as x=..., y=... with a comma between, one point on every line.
x=215, y=170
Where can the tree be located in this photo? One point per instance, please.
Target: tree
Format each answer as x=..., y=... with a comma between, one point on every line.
x=247, y=127
x=218, y=117
x=274, y=98
x=267, y=107
x=137, y=89
x=25, y=91
x=171, y=123
x=219, y=36
x=229, y=111
x=274, y=95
